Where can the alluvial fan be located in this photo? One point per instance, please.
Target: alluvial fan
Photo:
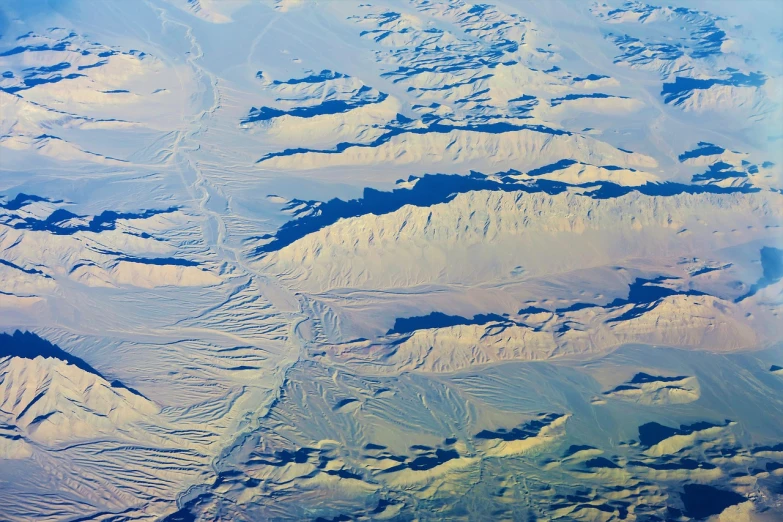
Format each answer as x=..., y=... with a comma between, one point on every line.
x=393, y=260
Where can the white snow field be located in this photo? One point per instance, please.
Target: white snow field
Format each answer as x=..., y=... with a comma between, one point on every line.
x=391, y=260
